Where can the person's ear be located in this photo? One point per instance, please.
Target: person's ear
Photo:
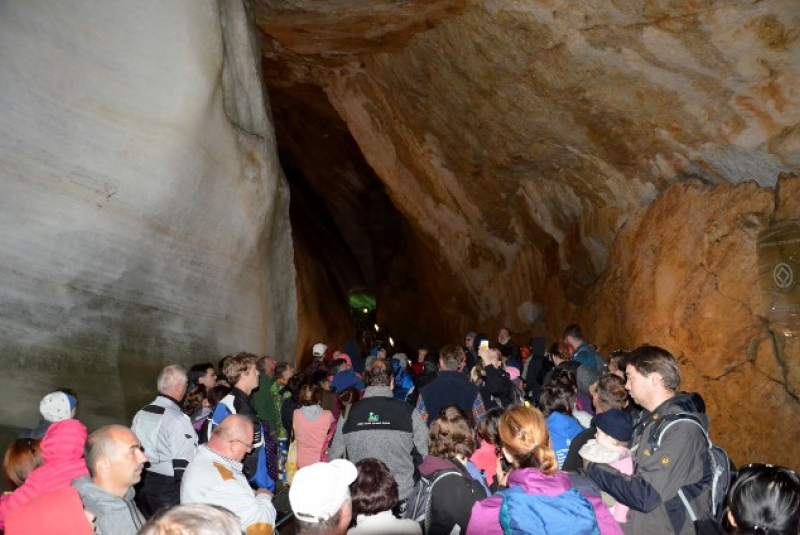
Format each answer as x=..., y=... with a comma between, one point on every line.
x=103, y=465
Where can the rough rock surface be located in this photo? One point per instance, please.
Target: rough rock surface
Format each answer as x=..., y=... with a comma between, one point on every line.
x=144, y=212
x=517, y=138
x=695, y=290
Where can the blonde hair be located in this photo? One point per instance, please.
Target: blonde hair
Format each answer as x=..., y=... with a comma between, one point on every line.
x=524, y=435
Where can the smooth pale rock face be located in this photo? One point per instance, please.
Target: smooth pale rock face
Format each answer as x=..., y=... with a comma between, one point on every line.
x=144, y=213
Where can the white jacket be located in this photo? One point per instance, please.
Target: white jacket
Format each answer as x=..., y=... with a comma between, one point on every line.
x=383, y=523
x=215, y=479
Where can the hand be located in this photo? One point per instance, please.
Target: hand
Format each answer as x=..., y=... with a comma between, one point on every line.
x=262, y=490
x=485, y=354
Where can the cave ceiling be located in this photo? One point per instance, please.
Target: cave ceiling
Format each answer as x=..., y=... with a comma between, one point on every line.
x=514, y=139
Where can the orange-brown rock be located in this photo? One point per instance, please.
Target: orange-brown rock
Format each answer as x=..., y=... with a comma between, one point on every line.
x=537, y=153
x=683, y=274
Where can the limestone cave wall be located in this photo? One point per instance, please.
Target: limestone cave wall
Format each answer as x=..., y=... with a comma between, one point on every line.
x=607, y=161
x=144, y=212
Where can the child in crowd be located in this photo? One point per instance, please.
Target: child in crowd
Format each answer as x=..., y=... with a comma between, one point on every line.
x=610, y=446
x=485, y=457
x=765, y=499
x=197, y=406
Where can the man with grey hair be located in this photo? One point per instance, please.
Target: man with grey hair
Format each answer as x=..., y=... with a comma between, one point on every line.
x=169, y=440
x=215, y=477
x=197, y=519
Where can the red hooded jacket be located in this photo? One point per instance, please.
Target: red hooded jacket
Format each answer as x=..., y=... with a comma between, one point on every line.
x=56, y=512
x=62, y=452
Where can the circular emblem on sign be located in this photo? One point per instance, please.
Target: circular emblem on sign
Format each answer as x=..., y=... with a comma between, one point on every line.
x=783, y=276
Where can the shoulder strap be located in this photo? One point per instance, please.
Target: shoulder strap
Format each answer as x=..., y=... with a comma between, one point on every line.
x=663, y=427
x=675, y=419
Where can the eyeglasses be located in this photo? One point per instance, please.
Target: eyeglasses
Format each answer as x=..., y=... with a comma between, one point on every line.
x=248, y=447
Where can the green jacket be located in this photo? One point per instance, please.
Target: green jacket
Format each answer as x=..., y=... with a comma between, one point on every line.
x=265, y=405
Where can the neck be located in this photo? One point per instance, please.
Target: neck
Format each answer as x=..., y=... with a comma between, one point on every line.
x=110, y=487
x=658, y=399
x=247, y=391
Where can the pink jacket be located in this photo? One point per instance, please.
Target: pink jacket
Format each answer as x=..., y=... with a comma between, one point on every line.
x=624, y=465
x=62, y=452
x=485, y=459
x=311, y=433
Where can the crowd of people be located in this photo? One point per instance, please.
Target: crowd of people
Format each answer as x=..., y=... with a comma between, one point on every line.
x=482, y=437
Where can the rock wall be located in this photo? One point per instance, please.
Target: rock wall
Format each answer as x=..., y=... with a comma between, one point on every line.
x=683, y=274
x=518, y=138
x=144, y=212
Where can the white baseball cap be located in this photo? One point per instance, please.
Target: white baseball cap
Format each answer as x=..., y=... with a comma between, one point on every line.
x=319, y=349
x=55, y=407
x=319, y=491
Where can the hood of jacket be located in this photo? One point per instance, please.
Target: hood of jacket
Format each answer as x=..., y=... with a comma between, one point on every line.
x=432, y=464
x=346, y=379
x=96, y=498
x=535, y=482
x=64, y=441
x=378, y=391
x=680, y=402
x=563, y=425
x=311, y=412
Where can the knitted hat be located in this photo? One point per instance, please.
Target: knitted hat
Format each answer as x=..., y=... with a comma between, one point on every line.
x=320, y=490
x=319, y=349
x=55, y=407
x=615, y=423
x=586, y=377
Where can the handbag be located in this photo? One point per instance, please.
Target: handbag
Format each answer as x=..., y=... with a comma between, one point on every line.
x=291, y=459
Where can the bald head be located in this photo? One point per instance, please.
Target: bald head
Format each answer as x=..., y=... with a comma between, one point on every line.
x=233, y=437
x=115, y=458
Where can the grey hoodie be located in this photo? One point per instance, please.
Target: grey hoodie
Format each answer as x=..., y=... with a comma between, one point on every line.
x=116, y=515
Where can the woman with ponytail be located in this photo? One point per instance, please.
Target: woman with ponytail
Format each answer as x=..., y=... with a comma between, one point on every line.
x=538, y=498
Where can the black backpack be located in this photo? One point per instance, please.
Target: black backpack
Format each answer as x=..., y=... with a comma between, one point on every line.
x=419, y=504
x=721, y=467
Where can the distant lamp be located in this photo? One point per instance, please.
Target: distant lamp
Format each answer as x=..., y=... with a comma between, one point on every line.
x=366, y=311
x=391, y=342
x=377, y=329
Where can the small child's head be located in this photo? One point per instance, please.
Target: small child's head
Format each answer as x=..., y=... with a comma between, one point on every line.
x=196, y=399
x=614, y=428
x=487, y=427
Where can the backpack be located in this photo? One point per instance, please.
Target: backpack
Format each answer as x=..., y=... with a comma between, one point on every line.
x=721, y=467
x=568, y=513
x=600, y=363
x=419, y=504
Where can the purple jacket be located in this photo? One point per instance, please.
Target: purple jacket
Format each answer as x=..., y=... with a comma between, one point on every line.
x=485, y=519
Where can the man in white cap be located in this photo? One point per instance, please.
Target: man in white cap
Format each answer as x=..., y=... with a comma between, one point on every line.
x=320, y=497
x=318, y=351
